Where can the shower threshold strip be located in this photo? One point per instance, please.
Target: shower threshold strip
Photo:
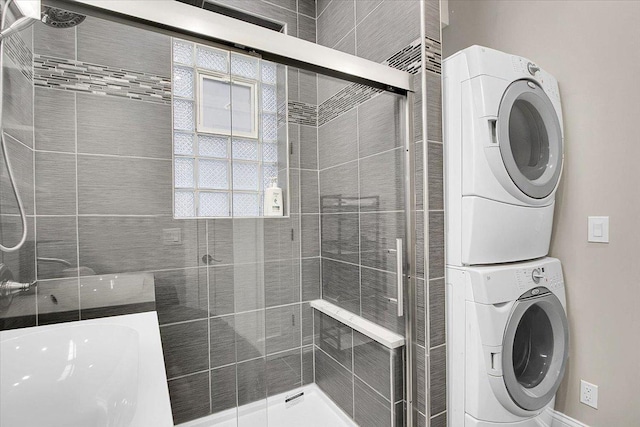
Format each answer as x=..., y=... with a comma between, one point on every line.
x=372, y=330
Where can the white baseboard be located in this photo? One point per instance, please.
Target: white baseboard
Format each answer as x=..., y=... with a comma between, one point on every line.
x=561, y=420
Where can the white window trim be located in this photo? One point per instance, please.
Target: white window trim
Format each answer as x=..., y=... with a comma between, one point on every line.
x=252, y=85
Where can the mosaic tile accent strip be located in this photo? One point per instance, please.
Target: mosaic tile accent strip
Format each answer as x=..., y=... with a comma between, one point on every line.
x=408, y=59
x=301, y=113
x=21, y=55
x=67, y=74
x=348, y=98
x=433, y=49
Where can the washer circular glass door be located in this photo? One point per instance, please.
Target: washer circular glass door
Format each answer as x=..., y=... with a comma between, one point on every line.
x=530, y=138
x=535, y=350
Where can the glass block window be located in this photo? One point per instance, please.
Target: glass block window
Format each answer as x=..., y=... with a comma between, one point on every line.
x=229, y=119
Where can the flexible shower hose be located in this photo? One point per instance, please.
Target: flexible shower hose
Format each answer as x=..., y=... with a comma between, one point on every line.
x=5, y=153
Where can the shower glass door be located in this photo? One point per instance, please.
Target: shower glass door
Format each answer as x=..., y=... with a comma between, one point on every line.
x=164, y=147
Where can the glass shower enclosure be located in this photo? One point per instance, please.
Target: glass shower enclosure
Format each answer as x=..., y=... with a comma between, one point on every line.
x=157, y=133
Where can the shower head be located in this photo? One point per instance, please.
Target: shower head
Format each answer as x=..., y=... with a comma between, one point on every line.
x=59, y=18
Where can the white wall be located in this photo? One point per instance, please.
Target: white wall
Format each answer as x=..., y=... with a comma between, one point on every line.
x=593, y=49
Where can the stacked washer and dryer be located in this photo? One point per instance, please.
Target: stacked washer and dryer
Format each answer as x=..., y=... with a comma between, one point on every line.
x=506, y=311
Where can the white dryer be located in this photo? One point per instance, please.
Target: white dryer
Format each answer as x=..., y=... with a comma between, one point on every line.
x=503, y=142
x=508, y=343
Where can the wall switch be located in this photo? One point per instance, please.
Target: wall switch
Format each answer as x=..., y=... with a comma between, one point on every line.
x=589, y=394
x=598, y=229
x=172, y=236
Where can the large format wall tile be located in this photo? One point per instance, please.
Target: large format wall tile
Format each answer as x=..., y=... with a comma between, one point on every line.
x=307, y=28
x=57, y=238
x=436, y=177
x=341, y=284
x=264, y=9
x=308, y=191
x=340, y=239
x=223, y=341
x=252, y=384
x=339, y=188
x=372, y=363
x=248, y=286
x=371, y=409
x=364, y=8
x=438, y=380
x=434, y=107
x=381, y=182
x=437, y=312
x=378, y=234
x=189, y=397
x=22, y=167
x=58, y=42
x=436, y=245
x=132, y=49
x=250, y=335
x=310, y=279
x=380, y=124
x=55, y=120
x=284, y=372
x=20, y=262
x=337, y=140
x=185, y=347
x=377, y=35
x=377, y=287
x=282, y=328
x=110, y=125
x=334, y=338
x=221, y=290
x=58, y=301
x=307, y=7
x=308, y=147
x=281, y=282
x=335, y=380
x=220, y=240
x=223, y=388
x=124, y=186
x=181, y=294
x=124, y=244
x=335, y=22
x=17, y=99
x=55, y=183
x=310, y=235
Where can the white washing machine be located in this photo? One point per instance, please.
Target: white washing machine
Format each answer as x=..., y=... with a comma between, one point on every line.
x=508, y=343
x=503, y=142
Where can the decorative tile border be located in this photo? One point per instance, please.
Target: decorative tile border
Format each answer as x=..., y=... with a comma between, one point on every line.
x=408, y=59
x=346, y=99
x=433, y=50
x=67, y=74
x=301, y=113
x=21, y=55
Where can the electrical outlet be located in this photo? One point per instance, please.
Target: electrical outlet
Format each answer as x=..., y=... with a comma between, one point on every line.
x=589, y=394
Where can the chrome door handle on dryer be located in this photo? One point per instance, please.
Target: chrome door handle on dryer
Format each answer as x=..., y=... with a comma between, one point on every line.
x=399, y=277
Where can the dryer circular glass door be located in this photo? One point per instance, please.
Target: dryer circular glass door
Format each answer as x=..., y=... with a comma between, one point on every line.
x=535, y=350
x=530, y=138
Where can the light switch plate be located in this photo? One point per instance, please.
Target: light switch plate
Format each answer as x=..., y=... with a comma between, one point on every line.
x=598, y=229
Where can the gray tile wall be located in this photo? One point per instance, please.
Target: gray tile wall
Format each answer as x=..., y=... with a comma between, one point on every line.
x=232, y=297
x=360, y=375
x=386, y=31
x=17, y=125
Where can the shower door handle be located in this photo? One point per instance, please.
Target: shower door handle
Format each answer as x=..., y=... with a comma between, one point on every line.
x=399, y=276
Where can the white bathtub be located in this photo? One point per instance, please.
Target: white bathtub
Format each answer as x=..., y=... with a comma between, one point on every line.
x=93, y=373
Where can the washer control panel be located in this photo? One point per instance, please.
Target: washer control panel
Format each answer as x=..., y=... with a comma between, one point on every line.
x=542, y=276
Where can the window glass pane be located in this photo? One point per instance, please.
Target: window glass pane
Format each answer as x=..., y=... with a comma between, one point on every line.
x=183, y=173
x=216, y=105
x=182, y=52
x=245, y=149
x=270, y=152
x=184, y=204
x=245, y=176
x=268, y=171
x=212, y=59
x=183, y=116
x=183, y=82
x=213, y=146
x=245, y=204
x=268, y=72
x=244, y=66
x=183, y=143
x=213, y=174
x=214, y=204
x=243, y=109
x=269, y=99
x=269, y=127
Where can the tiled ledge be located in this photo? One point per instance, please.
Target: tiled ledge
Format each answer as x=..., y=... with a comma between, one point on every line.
x=376, y=332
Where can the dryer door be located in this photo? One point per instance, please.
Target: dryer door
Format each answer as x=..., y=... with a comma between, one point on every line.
x=535, y=349
x=530, y=138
